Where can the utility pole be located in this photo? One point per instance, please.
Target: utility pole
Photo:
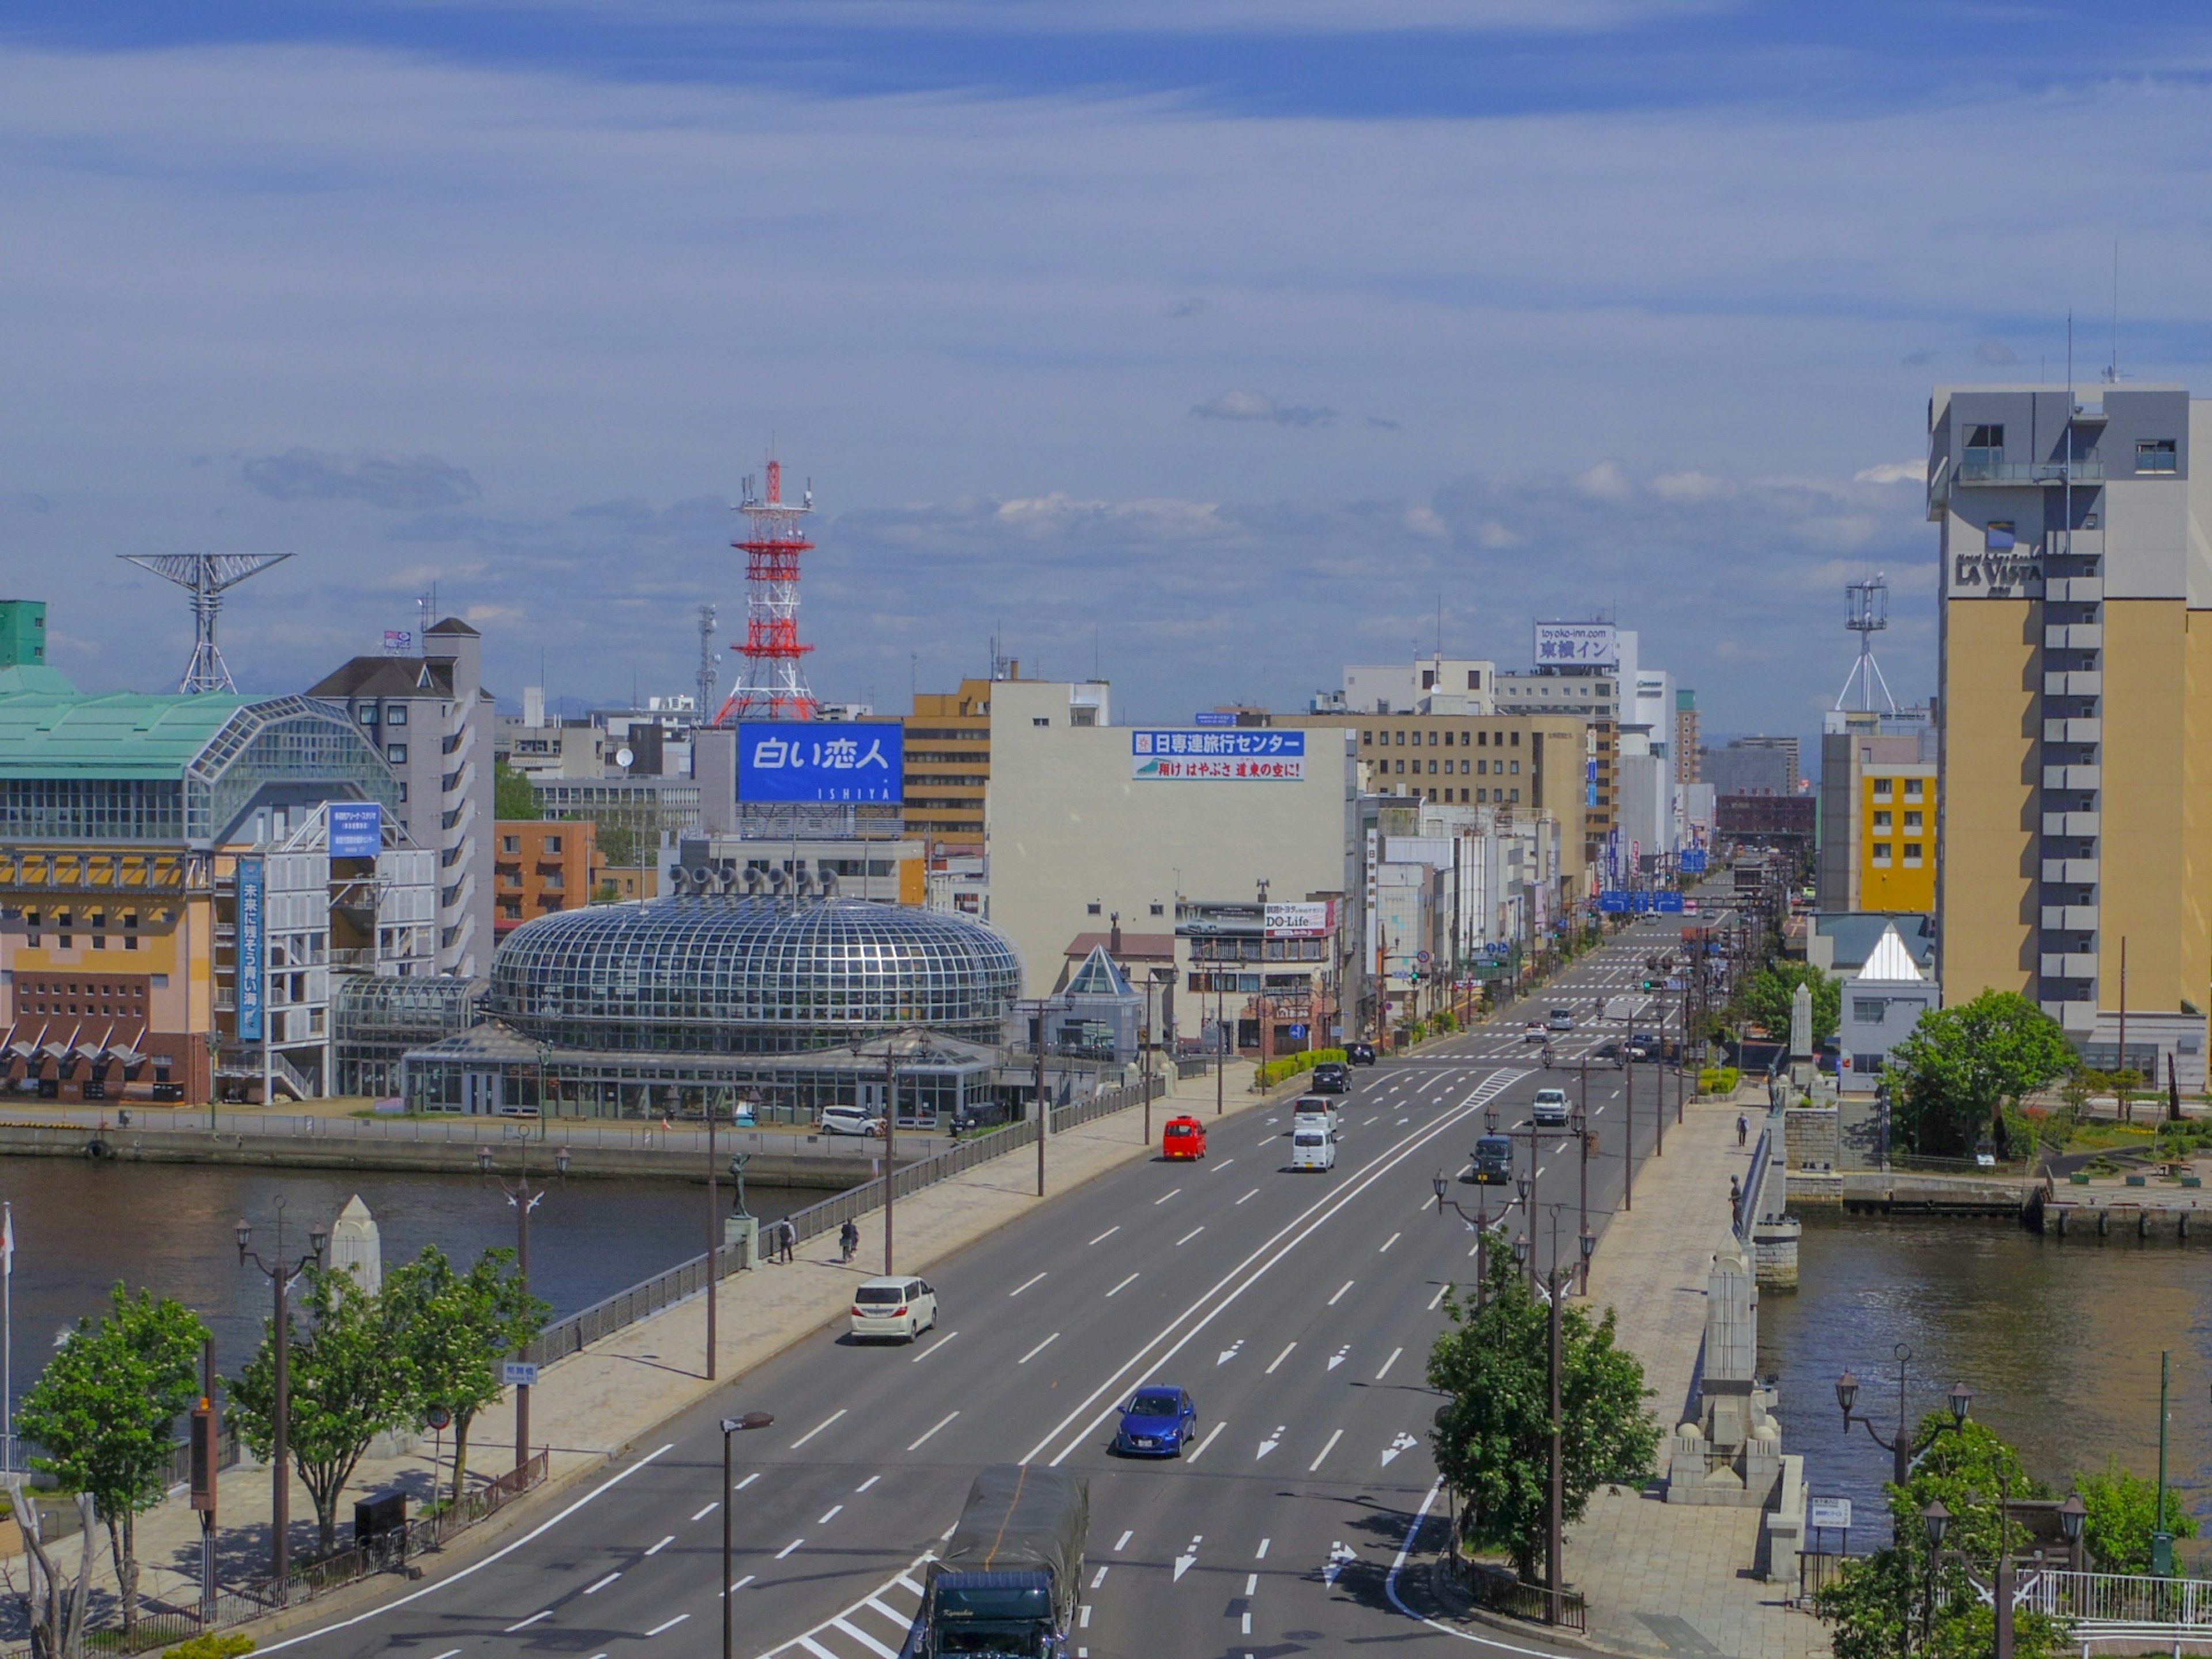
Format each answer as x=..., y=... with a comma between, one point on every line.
x=1659, y=1083
x=713, y=1233
x=2120, y=1065
x=1040, y=1106
x=1582, y=1143
x=1220, y=1045
x=280, y=1272
x=1555, y=1539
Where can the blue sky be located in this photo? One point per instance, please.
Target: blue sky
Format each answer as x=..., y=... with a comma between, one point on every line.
x=1210, y=343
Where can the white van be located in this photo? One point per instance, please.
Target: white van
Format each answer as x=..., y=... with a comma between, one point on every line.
x=1550, y=1109
x=1317, y=1112
x=900, y=1309
x=1312, y=1149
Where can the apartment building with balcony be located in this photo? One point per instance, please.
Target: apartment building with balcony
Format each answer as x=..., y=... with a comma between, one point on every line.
x=2075, y=711
x=948, y=766
x=541, y=866
x=433, y=721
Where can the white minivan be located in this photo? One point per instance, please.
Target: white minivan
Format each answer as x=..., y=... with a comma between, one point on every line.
x=1550, y=1109
x=901, y=1309
x=1312, y=1149
x=1317, y=1112
x=850, y=1120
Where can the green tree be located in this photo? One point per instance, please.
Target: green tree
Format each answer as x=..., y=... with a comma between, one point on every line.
x=456, y=1328
x=1767, y=998
x=1877, y=1604
x=352, y=1380
x=1962, y=1067
x=1492, y=1435
x=513, y=794
x=2123, y=1514
x=105, y=1411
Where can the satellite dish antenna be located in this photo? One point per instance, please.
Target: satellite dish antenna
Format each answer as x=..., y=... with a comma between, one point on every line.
x=624, y=758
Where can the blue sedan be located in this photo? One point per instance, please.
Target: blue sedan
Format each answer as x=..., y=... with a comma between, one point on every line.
x=1157, y=1423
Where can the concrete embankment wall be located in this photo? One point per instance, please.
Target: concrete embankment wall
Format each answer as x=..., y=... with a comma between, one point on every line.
x=423, y=1156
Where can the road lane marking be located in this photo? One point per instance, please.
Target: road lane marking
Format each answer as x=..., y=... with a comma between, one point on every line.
x=1337, y=1359
x=1099, y=1576
x=1194, y=1456
x=662, y=1544
x=1229, y=1353
x=747, y=1481
x=1121, y=1543
x=741, y=1583
x=846, y=1626
x=1192, y=1234
x=1219, y=1167
x=1402, y=1443
x=1026, y=1283
x=787, y=1548
x=939, y=1423
x=1325, y=1451
x=528, y=1622
x=593, y=1590
x=450, y=1652
x=1189, y=1559
x=1255, y=1193
x=536, y=1532
x=1279, y=1359
x=670, y=1624
x=1339, y=1296
x=1107, y=1234
x=1387, y=1242
x=832, y=1516
x=823, y=1424
x=709, y=1510
x=1270, y=1443
x=933, y=1347
x=1441, y=1289
x=1124, y=1284
x=1165, y=1196
x=1387, y=1364
x=867, y=1483
x=1039, y=1349
x=1251, y=1582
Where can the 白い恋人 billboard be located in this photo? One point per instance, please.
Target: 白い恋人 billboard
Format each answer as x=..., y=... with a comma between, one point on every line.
x=787, y=761
x=357, y=829
x=1251, y=755
x=1577, y=644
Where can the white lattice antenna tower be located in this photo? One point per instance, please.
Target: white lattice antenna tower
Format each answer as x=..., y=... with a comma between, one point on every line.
x=205, y=576
x=1868, y=615
x=771, y=685
x=707, y=676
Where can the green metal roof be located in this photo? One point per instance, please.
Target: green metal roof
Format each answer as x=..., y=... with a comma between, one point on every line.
x=124, y=734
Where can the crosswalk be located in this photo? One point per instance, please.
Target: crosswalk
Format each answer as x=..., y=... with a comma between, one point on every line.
x=874, y=1627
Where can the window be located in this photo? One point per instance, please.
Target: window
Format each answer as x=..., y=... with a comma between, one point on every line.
x=1483, y=767
x=396, y=715
x=1366, y=737
x=511, y=845
x=1882, y=787
x=1159, y=909
x=1482, y=739
x=1448, y=740
x=1913, y=860
x=1997, y=536
x=1401, y=739
x=1868, y=1011
x=1092, y=909
x=1517, y=794
x=553, y=846
x=1882, y=851
x=2156, y=455
x=1083, y=717
x=1482, y=794
x=1516, y=739
x=369, y=713
x=1912, y=820
x=1433, y=766
x=396, y=753
x=1401, y=766
x=1040, y=720
x=1517, y=773
x=1912, y=788
x=1465, y=766
x=1432, y=739
x=1882, y=820
x=1984, y=449
x=1474, y=679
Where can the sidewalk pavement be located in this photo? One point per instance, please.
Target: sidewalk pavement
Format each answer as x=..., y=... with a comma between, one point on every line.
x=588, y=1408
x=1668, y=1579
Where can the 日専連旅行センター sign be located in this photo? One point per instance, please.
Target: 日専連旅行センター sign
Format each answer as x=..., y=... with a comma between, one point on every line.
x=1252, y=755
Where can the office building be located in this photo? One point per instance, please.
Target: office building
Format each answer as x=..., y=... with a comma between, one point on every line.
x=433, y=722
x=1878, y=813
x=1581, y=669
x=948, y=765
x=1689, y=745
x=2076, y=580
x=1435, y=684
x=1751, y=766
x=541, y=866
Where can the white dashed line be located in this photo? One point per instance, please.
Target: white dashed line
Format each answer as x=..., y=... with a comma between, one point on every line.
x=1193, y=1457
x=1387, y=1364
x=832, y=1516
x=786, y=1549
x=528, y=1622
x=1224, y=1165
x=1107, y=1234
x=1024, y=1285
x=1192, y=1234
x=662, y=1544
x=747, y=1481
x=1389, y=1242
x=1123, y=1285
x=1325, y=1451
x=823, y=1424
x=1262, y=1554
x=709, y=1510
x=1165, y=1196
x=1332, y=1300
x=1279, y=1359
x=1039, y=1349
x=933, y=1347
x=867, y=1483
x=734, y=1589
x=1438, y=1297
x=1255, y=1193
x=593, y=1590
x=668, y=1624
x=1099, y=1576
x=939, y=1423
x=1122, y=1543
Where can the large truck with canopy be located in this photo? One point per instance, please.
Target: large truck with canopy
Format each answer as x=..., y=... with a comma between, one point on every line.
x=1006, y=1585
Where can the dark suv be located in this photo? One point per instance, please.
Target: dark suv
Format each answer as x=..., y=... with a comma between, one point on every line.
x=1360, y=1053
x=1330, y=1078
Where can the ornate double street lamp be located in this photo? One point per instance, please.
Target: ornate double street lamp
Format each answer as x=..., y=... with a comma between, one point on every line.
x=280, y=1272
x=1900, y=1447
x=1999, y=1592
x=524, y=1198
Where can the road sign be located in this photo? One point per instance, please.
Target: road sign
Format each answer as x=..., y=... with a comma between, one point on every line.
x=1829, y=1514
x=518, y=1373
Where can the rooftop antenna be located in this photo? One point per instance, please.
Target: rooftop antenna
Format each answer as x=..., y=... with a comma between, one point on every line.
x=2113, y=369
x=426, y=604
x=205, y=576
x=1868, y=615
x=707, y=674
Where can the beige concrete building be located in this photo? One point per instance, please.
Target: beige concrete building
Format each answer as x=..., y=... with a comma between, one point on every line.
x=2076, y=710
x=1085, y=823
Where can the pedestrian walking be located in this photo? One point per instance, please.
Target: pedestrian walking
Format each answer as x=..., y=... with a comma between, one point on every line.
x=849, y=1237
x=786, y=1236
x=1742, y=1127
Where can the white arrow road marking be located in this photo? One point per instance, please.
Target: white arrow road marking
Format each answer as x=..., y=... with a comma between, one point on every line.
x=1404, y=1442
x=1189, y=1559
x=1337, y=1359
x=1229, y=1353
x=1271, y=1442
x=1340, y=1556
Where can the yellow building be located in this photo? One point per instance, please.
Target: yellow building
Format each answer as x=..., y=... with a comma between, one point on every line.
x=1878, y=813
x=2076, y=711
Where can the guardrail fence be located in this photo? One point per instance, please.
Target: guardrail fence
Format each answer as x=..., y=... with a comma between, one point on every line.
x=1498, y=1592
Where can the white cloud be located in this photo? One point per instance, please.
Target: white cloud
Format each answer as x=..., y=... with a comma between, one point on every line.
x=412, y=482
x=1605, y=481
x=1424, y=521
x=1892, y=472
x=1996, y=353
x=1259, y=406
x=1691, y=486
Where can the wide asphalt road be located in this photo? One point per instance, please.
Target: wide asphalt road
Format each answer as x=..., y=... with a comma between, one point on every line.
x=1298, y=1308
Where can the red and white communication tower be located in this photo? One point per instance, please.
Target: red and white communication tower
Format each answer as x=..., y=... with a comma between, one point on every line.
x=770, y=684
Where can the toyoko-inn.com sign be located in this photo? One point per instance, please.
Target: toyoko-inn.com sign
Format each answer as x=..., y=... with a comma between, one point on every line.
x=1576, y=645
x=788, y=761
x=1248, y=755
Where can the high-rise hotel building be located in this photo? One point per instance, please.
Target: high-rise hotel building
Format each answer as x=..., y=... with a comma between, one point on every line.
x=2077, y=710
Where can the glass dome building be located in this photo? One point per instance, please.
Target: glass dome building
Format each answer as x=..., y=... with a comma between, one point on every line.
x=676, y=1004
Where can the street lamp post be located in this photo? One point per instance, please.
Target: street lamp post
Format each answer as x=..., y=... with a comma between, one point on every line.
x=523, y=1198
x=1479, y=1221
x=713, y=1237
x=731, y=1426
x=1901, y=1450
x=280, y=1273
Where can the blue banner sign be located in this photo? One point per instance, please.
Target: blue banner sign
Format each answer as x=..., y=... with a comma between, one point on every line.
x=357, y=829
x=792, y=761
x=1213, y=717
x=1246, y=755
x=1640, y=901
x=252, y=959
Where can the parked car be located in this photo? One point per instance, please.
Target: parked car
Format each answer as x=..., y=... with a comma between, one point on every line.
x=850, y=1120
x=899, y=1309
x=1184, y=1137
x=1312, y=1149
x=1158, y=1421
x=1330, y=1078
x=1561, y=1019
x=1360, y=1053
x=1549, y=1110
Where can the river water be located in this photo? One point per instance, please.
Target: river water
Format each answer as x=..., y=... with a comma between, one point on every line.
x=2059, y=1342
x=171, y=1228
